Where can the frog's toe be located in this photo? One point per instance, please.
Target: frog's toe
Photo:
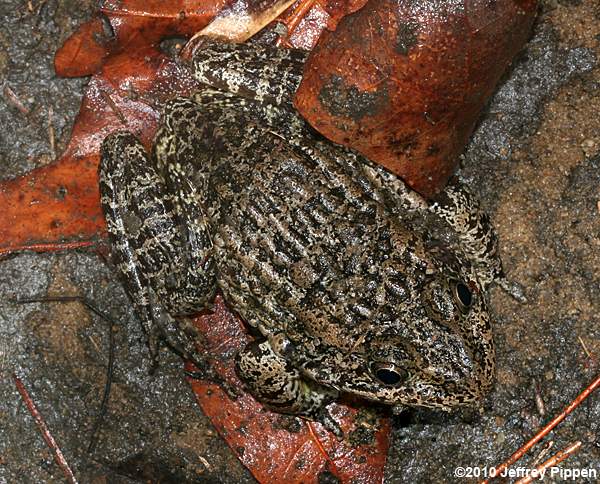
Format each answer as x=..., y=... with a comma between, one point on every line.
x=153, y=347
x=180, y=337
x=185, y=346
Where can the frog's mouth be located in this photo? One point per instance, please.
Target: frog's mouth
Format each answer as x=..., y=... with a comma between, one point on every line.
x=443, y=394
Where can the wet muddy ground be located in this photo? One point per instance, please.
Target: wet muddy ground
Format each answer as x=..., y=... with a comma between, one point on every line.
x=535, y=162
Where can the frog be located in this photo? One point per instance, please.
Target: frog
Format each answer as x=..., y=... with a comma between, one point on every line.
x=353, y=282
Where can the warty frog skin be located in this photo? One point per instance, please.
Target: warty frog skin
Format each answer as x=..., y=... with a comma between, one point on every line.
x=356, y=283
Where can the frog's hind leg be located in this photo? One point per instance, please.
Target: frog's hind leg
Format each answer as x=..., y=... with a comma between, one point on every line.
x=258, y=72
x=148, y=246
x=178, y=150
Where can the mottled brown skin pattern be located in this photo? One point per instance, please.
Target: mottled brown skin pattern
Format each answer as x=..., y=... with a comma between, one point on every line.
x=356, y=283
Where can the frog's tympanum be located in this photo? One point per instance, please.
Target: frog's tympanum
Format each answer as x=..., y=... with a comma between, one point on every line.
x=355, y=282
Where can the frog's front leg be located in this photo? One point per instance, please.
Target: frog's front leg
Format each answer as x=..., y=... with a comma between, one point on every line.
x=278, y=385
x=150, y=245
x=457, y=206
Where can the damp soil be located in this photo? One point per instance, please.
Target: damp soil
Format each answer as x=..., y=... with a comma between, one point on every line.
x=534, y=160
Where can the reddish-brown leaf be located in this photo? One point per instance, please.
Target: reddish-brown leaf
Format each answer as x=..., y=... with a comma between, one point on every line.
x=131, y=25
x=51, y=208
x=404, y=82
x=307, y=19
x=84, y=52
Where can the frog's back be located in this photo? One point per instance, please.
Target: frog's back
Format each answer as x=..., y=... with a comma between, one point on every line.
x=303, y=243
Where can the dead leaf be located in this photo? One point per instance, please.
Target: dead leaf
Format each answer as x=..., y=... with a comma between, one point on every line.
x=405, y=82
x=58, y=205
x=130, y=25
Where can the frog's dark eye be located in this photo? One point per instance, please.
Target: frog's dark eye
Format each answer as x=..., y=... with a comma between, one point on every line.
x=388, y=373
x=463, y=295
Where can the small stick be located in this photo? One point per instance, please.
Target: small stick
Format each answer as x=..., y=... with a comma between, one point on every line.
x=113, y=107
x=47, y=247
x=546, y=430
x=59, y=458
x=322, y=450
x=551, y=462
x=13, y=99
x=107, y=385
x=93, y=340
x=589, y=355
x=51, y=135
x=539, y=401
x=294, y=19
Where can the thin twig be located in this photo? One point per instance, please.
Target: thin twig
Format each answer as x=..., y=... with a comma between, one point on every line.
x=551, y=462
x=113, y=107
x=584, y=347
x=51, y=135
x=14, y=100
x=539, y=401
x=92, y=339
x=332, y=467
x=47, y=247
x=294, y=19
x=59, y=458
x=108, y=383
x=546, y=430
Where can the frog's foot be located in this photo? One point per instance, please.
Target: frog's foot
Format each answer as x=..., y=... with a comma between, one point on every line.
x=187, y=350
x=274, y=382
x=207, y=373
x=460, y=209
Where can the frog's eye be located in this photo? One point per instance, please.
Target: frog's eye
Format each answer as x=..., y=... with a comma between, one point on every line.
x=462, y=295
x=388, y=373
